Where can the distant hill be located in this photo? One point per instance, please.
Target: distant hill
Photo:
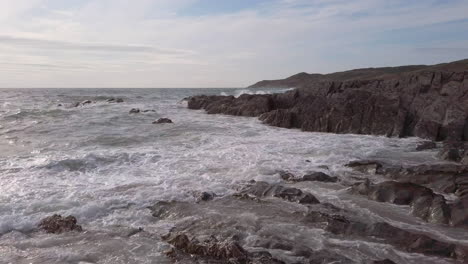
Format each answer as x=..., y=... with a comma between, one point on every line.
x=304, y=79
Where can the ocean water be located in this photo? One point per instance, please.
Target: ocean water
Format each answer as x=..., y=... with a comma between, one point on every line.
x=106, y=166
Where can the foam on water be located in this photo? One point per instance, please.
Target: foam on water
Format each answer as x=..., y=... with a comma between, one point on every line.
x=105, y=166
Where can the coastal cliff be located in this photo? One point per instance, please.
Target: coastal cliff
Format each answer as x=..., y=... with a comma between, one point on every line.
x=430, y=102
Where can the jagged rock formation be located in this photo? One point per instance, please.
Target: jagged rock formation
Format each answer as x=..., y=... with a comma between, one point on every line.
x=428, y=104
x=56, y=224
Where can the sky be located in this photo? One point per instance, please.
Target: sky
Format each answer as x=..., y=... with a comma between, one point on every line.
x=218, y=43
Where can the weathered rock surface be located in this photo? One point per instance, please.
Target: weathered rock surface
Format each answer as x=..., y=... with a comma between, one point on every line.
x=426, y=145
x=409, y=241
x=83, y=103
x=215, y=251
x=57, y=224
x=365, y=166
x=222, y=230
x=115, y=100
x=429, y=104
x=134, y=111
x=311, y=176
x=163, y=121
x=423, y=201
x=263, y=189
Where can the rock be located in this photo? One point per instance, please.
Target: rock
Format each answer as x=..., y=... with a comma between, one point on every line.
x=426, y=145
x=287, y=176
x=454, y=151
x=365, y=166
x=115, y=100
x=385, y=261
x=57, y=224
x=206, y=196
x=218, y=250
x=163, y=121
x=134, y=111
x=319, y=176
x=263, y=189
x=429, y=104
x=423, y=201
x=384, y=232
x=459, y=212
x=83, y=103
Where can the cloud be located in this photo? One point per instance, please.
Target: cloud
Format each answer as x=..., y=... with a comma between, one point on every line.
x=152, y=43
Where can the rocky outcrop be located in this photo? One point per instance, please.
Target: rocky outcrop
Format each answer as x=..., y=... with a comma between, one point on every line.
x=222, y=231
x=57, y=224
x=115, y=100
x=403, y=239
x=311, y=176
x=163, y=121
x=423, y=201
x=263, y=189
x=427, y=104
x=134, y=111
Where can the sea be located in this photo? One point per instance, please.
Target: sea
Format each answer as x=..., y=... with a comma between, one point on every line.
x=106, y=167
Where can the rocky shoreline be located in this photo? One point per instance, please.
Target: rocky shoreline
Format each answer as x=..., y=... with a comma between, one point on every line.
x=428, y=104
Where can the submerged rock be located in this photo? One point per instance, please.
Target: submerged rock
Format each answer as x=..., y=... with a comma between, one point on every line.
x=225, y=250
x=426, y=145
x=365, y=166
x=319, y=176
x=163, y=121
x=454, y=151
x=115, y=100
x=57, y=224
x=83, y=103
x=423, y=201
x=383, y=232
x=263, y=189
x=206, y=196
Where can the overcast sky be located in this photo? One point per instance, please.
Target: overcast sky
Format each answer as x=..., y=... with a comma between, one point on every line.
x=218, y=43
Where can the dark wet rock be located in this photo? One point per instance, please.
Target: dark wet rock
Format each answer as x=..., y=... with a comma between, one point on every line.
x=454, y=151
x=384, y=232
x=244, y=105
x=83, y=103
x=319, y=176
x=423, y=201
x=134, y=111
x=385, y=261
x=215, y=251
x=223, y=221
x=365, y=166
x=161, y=209
x=426, y=145
x=134, y=231
x=286, y=175
x=57, y=224
x=429, y=104
x=312, y=176
x=115, y=100
x=206, y=196
x=163, y=121
x=447, y=178
x=459, y=212
x=225, y=250
x=263, y=189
